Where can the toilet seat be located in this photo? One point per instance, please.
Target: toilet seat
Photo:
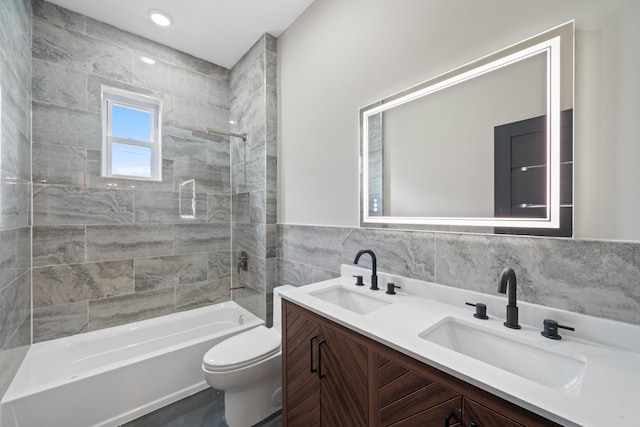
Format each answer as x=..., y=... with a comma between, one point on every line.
x=242, y=350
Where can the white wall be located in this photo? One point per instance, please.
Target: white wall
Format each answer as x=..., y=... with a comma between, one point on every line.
x=343, y=54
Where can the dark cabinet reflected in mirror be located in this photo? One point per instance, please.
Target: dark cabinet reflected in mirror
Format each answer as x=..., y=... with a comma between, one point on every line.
x=520, y=174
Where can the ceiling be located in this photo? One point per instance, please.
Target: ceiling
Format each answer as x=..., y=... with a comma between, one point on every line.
x=220, y=31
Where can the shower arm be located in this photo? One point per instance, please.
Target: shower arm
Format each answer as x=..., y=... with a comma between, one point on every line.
x=243, y=136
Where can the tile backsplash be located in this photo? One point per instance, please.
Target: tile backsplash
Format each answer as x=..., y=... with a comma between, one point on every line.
x=599, y=278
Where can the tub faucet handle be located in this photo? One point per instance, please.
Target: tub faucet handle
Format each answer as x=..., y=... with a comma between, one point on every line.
x=243, y=261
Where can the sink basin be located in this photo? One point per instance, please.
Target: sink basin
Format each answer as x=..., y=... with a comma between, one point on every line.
x=534, y=363
x=351, y=300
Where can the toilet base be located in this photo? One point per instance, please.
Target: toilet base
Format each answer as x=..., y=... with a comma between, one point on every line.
x=244, y=408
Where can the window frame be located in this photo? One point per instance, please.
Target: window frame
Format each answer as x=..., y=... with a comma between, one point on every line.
x=110, y=97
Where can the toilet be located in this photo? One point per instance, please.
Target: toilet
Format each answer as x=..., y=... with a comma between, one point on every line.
x=248, y=368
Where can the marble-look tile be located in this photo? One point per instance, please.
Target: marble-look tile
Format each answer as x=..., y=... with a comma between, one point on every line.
x=8, y=257
x=409, y=254
x=15, y=202
x=178, y=144
x=192, y=238
x=218, y=92
x=592, y=277
x=255, y=175
x=67, y=205
x=12, y=355
x=169, y=207
x=170, y=271
x=114, y=242
x=170, y=79
x=257, y=207
x=80, y=51
x=60, y=321
x=114, y=35
x=23, y=249
x=256, y=275
x=219, y=152
x=250, y=238
x=202, y=294
x=219, y=265
x=185, y=60
x=252, y=300
x=190, y=114
x=15, y=155
x=241, y=211
x=315, y=246
x=15, y=306
x=66, y=126
x=58, y=245
x=298, y=274
x=58, y=164
x=57, y=15
x=94, y=178
x=64, y=284
x=271, y=275
x=218, y=209
x=59, y=85
x=94, y=92
x=272, y=207
x=114, y=311
x=209, y=179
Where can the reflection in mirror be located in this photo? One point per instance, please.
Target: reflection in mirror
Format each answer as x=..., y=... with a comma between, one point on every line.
x=436, y=154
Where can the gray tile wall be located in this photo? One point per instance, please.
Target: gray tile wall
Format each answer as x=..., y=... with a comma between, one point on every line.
x=15, y=187
x=599, y=278
x=111, y=251
x=253, y=164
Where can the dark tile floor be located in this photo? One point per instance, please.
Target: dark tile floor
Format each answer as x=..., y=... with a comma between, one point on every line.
x=204, y=409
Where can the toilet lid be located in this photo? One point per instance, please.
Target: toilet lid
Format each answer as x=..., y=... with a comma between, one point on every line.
x=242, y=349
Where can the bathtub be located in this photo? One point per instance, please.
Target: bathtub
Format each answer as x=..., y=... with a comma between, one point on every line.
x=112, y=376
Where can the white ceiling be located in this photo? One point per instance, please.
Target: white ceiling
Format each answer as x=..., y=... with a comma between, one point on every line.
x=220, y=31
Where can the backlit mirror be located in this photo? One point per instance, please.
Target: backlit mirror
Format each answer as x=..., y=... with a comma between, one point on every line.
x=487, y=146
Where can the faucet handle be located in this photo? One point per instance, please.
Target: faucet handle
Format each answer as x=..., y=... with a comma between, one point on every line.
x=481, y=310
x=551, y=329
x=391, y=288
x=359, y=281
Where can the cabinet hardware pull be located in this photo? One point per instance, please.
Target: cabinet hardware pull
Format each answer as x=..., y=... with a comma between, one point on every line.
x=447, y=418
x=320, y=374
x=311, y=353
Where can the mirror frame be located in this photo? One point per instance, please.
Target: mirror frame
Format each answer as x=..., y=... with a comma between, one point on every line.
x=549, y=43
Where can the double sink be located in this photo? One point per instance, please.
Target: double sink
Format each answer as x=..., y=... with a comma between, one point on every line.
x=502, y=350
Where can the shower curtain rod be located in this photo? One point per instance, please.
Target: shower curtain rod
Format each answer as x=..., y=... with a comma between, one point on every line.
x=221, y=132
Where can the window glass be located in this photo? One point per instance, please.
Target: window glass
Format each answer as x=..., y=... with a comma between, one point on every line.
x=130, y=160
x=130, y=123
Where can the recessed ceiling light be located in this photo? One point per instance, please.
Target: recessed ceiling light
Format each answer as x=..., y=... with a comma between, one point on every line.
x=160, y=17
x=147, y=60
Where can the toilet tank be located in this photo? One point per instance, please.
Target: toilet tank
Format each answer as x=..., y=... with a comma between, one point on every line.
x=277, y=307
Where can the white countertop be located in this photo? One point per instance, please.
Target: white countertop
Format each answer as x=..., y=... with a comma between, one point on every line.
x=607, y=394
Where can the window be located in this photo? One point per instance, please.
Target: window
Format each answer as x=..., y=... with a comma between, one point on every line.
x=131, y=138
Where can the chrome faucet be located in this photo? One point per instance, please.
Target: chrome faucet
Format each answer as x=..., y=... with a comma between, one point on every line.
x=374, y=274
x=508, y=276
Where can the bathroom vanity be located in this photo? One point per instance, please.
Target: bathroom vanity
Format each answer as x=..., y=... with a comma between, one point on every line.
x=356, y=357
x=344, y=378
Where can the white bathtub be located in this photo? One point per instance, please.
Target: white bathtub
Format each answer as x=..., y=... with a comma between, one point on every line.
x=114, y=375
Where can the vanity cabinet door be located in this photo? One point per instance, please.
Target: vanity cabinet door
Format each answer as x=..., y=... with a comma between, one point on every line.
x=477, y=415
x=300, y=381
x=325, y=372
x=344, y=385
x=406, y=398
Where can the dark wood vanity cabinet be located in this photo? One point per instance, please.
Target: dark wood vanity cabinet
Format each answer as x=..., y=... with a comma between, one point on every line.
x=333, y=376
x=325, y=372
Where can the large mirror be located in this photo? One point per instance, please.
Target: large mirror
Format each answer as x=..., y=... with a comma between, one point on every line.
x=487, y=146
